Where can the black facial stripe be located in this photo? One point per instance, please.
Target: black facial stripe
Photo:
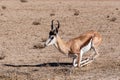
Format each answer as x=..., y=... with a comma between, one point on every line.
x=51, y=38
x=49, y=41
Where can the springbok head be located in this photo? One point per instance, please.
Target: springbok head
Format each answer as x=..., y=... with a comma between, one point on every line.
x=52, y=34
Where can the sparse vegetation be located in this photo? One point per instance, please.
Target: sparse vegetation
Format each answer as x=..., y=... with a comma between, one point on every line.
x=113, y=19
x=39, y=46
x=1, y=14
x=43, y=39
x=108, y=16
x=117, y=8
x=3, y=7
x=23, y=1
x=52, y=14
x=76, y=12
x=36, y=23
x=2, y=56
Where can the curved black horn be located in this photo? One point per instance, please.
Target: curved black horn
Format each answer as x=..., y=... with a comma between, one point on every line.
x=52, y=24
x=58, y=24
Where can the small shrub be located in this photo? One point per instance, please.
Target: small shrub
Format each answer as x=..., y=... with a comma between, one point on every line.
x=43, y=39
x=52, y=14
x=3, y=7
x=39, y=46
x=76, y=12
x=113, y=19
x=2, y=56
x=23, y=1
x=108, y=16
x=36, y=23
x=117, y=9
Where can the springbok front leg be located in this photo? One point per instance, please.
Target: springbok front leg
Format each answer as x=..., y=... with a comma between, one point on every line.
x=75, y=61
x=96, y=53
x=84, y=50
x=80, y=61
x=88, y=60
x=84, y=62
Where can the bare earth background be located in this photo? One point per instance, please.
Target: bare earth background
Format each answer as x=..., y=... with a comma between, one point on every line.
x=24, y=26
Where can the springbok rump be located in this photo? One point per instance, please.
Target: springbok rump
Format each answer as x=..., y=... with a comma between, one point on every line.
x=75, y=47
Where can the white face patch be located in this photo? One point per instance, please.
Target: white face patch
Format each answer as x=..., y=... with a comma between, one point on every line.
x=51, y=41
x=87, y=47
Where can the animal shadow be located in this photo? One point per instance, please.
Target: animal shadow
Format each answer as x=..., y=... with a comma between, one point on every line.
x=53, y=64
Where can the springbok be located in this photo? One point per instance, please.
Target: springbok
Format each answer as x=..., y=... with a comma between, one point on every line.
x=75, y=47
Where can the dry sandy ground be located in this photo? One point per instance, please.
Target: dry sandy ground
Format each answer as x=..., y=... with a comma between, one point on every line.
x=24, y=25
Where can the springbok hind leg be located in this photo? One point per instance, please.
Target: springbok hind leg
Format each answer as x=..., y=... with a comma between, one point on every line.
x=85, y=62
x=95, y=55
x=89, y=60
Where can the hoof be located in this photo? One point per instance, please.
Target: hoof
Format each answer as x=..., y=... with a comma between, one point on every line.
x=75, y=65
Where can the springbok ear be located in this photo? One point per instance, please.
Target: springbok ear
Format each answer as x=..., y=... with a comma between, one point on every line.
x=58, y=24
x=56, y=30
x=52, y=24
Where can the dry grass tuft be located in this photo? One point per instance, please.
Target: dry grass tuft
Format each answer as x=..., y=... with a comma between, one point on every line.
x=63, y=71
x=2, y=56
x=36, y=23
x=52, y=14
x=23, y=1
x=3, y=7
x=113, y=19
x=43, y=39
x=76, y=12
x=117, y=8
x=39, y=46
